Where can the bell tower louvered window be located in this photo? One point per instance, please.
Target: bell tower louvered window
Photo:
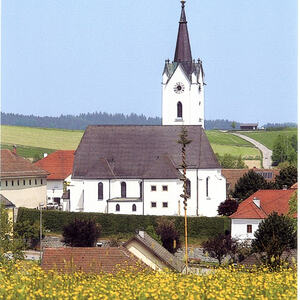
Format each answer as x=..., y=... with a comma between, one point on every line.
x=179, y=109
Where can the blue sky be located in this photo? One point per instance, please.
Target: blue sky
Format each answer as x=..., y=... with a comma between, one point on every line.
x=77, y=56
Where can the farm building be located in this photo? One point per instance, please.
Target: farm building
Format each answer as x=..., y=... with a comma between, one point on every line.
x=137, y=169
x=245, y=221
x=22, y=183
x=249, y=126
x=59, y=165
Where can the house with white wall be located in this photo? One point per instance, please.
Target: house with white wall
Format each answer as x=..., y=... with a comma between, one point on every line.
x=256, y=208
x=21, y=182
x=59, y=165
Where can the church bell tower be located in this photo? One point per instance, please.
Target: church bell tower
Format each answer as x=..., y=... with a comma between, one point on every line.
x=183, y=83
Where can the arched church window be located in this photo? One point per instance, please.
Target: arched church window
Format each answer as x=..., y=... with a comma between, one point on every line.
x=179, y=109
x=118, y=207
x=188, y=187
x=207, y=179
x=141, y=189
x=133, y=207
x=100, y=191
x=123, y=189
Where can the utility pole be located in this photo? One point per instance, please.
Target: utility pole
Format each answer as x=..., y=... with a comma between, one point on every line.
x=41, y=230
x=183, y=140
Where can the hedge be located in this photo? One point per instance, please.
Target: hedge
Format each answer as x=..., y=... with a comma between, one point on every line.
x=54, y=221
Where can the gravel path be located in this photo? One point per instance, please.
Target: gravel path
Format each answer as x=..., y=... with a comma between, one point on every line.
x=266, y=152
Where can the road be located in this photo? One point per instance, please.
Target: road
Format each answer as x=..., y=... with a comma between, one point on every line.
x=266, y=152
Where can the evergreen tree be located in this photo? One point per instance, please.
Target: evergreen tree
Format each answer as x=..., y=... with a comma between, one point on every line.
x=287, y=177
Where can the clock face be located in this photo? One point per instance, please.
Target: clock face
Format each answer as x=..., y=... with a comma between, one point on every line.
x=179, y=88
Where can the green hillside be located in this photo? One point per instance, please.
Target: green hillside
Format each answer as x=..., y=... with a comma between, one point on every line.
x=33, y=142
x=268, y=138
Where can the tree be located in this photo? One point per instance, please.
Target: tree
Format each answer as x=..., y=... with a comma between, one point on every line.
x=287, y=176
x=274, y=235
x=29, y=232
x=168, y=234
x=227, y=207
x=293, y=202
x=228, y=161
x=248, y=184
x=152, y=232
x=220, y=246
x=233, y=125
x=285, y=149
x=8, y=242
x=81, y=233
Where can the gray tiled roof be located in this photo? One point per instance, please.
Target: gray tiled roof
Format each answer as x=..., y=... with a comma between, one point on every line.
x=159, y=251
x=149, y=152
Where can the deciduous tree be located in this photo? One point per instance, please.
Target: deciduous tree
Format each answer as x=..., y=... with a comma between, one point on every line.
x=227, y=207
x=287, y=177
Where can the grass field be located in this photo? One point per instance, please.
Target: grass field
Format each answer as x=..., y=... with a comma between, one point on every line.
x=58, y=139
x=223, y=143
x=33, y=141
x=268, y=138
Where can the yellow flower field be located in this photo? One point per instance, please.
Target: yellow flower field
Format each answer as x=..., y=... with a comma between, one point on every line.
x=21, y=281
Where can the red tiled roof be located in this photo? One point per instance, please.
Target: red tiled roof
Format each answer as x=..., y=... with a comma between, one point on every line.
x=59, y=164
x=270, y=201
x=233, y=175
x=90, y=260
x=13, y=165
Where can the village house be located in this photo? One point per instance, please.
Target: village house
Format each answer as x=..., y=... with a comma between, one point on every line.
x=245, y=221
x=138, y=169
x=22, y=183
x=59, y=165
x=9, y=206
x=249, y=126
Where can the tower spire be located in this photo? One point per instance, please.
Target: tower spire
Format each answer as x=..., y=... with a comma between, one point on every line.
x=183, y=52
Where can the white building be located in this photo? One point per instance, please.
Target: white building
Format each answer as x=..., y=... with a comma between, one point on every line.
x=137, y=169
x=245, y=221
x=59, y=165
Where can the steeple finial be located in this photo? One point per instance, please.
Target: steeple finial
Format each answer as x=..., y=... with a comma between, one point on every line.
x=183, y=52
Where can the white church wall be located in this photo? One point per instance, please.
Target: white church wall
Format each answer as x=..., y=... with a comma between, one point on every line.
x=239, y=228
x=54, y=189
x=160, y=196
x=125, y=207
x=211, y=199
x=132, y=188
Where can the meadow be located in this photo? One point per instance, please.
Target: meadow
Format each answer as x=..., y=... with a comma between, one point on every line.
x=33, y=141
x=20, y=281
x=268, y=138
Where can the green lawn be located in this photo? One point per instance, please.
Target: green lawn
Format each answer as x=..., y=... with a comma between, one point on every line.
x=58, y=139
x=224, y=138
x=268, y=138
x=245, y=152
x=28, y=152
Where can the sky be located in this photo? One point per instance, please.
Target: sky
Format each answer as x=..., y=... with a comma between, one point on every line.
x=78, y=56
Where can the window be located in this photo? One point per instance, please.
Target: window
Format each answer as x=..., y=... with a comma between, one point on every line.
x=165, y=204
x=188, y=188
x=249, y=228
x=35, y=181
x=179, y=109
x=100, y=191
x=207, y=179
x=133, y=207
x=123, y=189
x=24, y=182
x=165, y=188
x=153, y=188
x=29, y=181
x=141, y=189
x=12, y=183
x=117, y=207
x=18, y=182
x=6, y=183
x=41, y=181
x=153, y=204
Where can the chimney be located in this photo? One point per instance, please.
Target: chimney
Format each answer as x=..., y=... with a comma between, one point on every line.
x=142, y=233
x=256, y=202
x=14, y=149
x=45, y=155
x=284, y=187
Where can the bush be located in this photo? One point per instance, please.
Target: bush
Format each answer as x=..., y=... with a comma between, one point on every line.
x=168, y=234
x=228, y=207
x=220, y=246
x=112, y=224
x=81, y=233
x=275, y=234
x=29, y=232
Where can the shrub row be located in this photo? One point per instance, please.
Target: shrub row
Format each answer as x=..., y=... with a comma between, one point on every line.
x=113, y=224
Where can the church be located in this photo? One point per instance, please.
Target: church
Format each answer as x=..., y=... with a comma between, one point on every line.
x=137, y=169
